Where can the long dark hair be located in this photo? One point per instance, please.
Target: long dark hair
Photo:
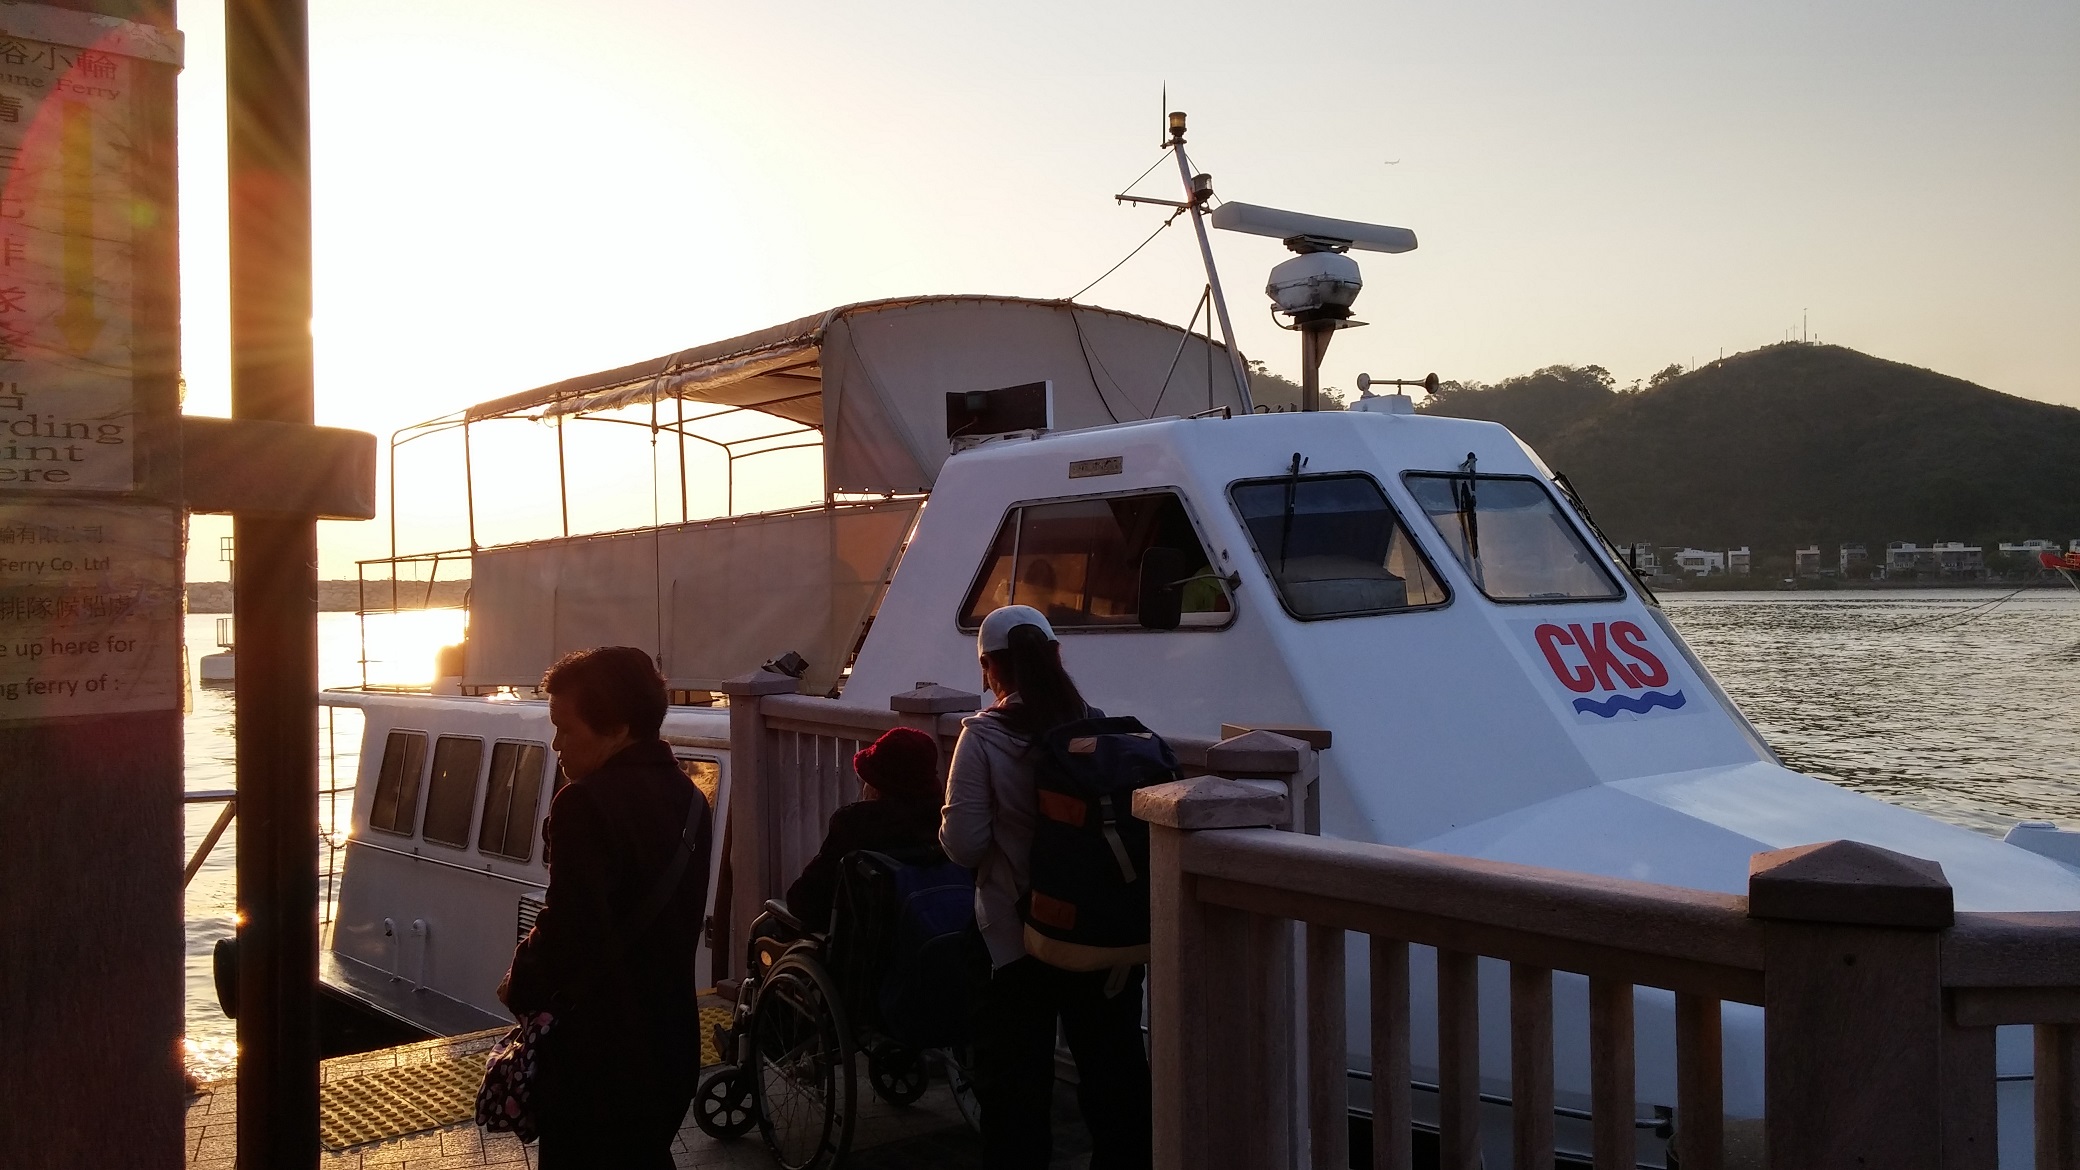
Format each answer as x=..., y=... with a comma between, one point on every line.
x=1031, y=665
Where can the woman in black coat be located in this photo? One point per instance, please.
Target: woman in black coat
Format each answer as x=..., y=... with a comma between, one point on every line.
x=617, y=1067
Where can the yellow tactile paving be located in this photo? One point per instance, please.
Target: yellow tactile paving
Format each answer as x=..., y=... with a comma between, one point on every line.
x=390, y=1103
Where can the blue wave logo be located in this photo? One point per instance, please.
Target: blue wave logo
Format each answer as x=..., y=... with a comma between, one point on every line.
x=1637, y=704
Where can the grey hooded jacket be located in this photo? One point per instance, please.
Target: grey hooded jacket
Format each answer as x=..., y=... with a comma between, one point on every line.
x=987, y=824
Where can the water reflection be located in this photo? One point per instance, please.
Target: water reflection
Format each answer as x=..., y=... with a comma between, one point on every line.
x=399, y=650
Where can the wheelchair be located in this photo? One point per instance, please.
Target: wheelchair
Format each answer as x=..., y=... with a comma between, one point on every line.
x=810, y=1004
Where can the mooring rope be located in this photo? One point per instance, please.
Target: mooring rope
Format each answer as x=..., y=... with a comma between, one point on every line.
x=1957, y=617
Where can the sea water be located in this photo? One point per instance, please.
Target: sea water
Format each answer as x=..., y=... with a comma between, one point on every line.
x=1959, y=703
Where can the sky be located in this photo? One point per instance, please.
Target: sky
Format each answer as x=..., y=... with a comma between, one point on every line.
x=508, y=194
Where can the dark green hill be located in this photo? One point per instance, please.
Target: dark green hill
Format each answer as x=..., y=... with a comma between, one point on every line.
x=1793, y=445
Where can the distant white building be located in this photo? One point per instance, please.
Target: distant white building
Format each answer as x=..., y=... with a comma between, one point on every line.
x=1852, y=556
x=1807, y=561
x=1739, y=561
x=2028, y=550
x=1945, y=558
x=2027, y=557
x=1699, y=562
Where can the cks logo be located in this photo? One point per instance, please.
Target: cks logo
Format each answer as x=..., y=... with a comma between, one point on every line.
x=1607, y=657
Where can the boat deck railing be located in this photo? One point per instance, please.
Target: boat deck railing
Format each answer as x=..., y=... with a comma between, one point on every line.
x=332, y=833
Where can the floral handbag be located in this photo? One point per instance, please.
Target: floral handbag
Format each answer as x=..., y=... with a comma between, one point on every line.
x=505, y=1101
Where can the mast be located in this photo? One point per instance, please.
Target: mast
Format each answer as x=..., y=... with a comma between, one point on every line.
x=1195, y=195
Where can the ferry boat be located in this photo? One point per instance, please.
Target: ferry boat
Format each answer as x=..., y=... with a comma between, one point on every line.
x=1496, y=682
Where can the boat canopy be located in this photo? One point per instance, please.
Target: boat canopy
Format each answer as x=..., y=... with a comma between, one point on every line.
x=869, y=383
x=873, y=376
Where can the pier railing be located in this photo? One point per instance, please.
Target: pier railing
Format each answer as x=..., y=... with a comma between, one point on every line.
x=1879, y=1002
x=791, y=767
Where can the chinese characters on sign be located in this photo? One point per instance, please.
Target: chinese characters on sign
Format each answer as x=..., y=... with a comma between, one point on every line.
x=66, y=214
x=89, y=605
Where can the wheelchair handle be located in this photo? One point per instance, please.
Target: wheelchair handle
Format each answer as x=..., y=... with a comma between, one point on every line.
x=778, y=909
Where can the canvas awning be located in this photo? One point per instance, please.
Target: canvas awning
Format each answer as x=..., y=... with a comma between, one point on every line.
x=872, y=377
x=711, y=599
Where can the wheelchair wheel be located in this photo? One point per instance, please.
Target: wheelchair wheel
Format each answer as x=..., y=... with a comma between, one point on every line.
x=724, y=1106
x=897, y=1074
x=960, y=1077
x=801, y=1051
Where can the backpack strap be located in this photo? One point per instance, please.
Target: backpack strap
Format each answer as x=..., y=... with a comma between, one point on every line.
x=1108, y=821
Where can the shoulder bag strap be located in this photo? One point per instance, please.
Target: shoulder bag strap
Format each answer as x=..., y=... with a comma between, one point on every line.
x=668, y=881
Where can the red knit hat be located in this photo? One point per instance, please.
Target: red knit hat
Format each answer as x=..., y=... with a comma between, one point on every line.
x=904, y=762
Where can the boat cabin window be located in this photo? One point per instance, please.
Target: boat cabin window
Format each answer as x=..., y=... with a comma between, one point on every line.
x=1079, y=562
x=706, y=776
x=451, y=796
x=1334, y=546
x=511, y=797
x=396, y=805
x=1510, y=536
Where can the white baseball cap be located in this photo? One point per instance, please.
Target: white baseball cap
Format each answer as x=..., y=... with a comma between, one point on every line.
x=997, y=627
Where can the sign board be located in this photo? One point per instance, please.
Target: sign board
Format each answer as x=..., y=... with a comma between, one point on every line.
x=66, y=269
x=89, y=609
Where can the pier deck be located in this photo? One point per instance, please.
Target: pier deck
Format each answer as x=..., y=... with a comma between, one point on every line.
x=927, y=1134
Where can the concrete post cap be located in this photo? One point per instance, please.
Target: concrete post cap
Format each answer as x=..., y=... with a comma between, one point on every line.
x=1851, y=884
x=755, y=683
x=929, y=698
x=1256, y=753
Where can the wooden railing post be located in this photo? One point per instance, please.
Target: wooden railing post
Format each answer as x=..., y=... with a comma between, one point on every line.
x=924, y=707
x=1314, y=1103
x=1208, y=1034
x=750, y=798
x=1852, y=1004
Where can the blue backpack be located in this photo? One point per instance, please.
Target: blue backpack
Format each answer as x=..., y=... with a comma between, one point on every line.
x=908, y=964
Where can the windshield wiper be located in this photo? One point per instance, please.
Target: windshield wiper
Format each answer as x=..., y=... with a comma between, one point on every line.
x=1285, y=524
x=1464, y=500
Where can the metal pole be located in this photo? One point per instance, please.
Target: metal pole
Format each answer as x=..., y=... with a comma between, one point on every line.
x=469, y=487
x=684, y=513
x=1314, y=344
x=1213, y=276
x=393, y=553
x=563, y=490
x=268, y=89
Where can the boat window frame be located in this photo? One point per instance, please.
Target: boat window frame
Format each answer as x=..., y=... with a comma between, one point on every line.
x=1590, y=541
x=1191, y=516
x=476, y=790
x=1415, y=542
x=418, y=780
x=680, y=761
x=484, y=801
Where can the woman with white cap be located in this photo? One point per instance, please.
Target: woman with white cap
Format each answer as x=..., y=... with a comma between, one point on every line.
x=988, y=825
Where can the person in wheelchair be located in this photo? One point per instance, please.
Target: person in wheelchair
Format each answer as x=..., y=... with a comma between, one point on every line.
x=872, y=952
x=897, y=813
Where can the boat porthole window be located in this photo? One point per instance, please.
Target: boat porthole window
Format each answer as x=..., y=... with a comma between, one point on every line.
x=395, y=808
x=1079, y=562
x=451, y=793
x=512, y=792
